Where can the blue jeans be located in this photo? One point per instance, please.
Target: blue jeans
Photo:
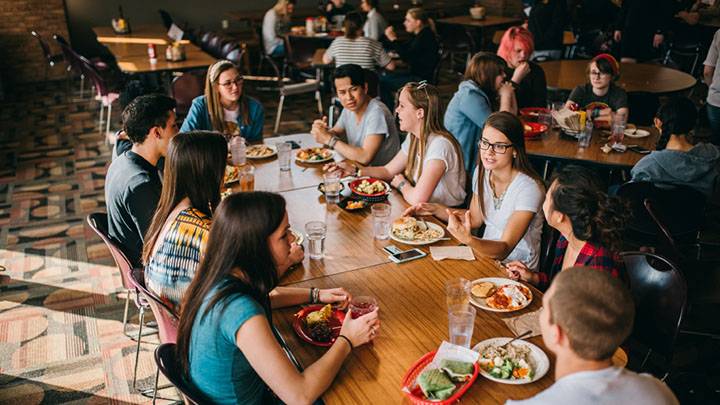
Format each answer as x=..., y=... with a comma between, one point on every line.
x=713, y=114
x=390, y=82
x=278, y=51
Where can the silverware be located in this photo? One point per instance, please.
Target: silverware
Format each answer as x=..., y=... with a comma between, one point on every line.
x=527, y=333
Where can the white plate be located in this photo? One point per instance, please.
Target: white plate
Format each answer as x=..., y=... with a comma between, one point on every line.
x=538, y=359
x=271, y=147
x=499, y=282
x=299, y=238
x=637, y=133
x=430, y=225
x=329, y=158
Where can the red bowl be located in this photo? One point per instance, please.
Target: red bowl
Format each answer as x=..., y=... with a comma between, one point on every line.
x=416, y=395
x=336, y=320
x=532, y=113
x=355, y=183
x=535, y=129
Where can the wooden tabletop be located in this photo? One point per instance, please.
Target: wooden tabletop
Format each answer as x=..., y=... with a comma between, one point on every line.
x=488, y=21
x=141, y=34
x=555, y=146
x=141, y=63
x=567, y=74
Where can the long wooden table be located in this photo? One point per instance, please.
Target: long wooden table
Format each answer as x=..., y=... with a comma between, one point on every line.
x=141, y=34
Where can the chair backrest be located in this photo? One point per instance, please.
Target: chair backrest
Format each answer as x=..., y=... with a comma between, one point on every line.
x=228, y=45
x=71, y=57
x=666, y=245
x=166, y=19
x=436, y=70
x=455, y=38
x=213, y=45
x=101, y=87
x=660, y=294
x=236, y=56
x=166, y=360
x=185, y=88
x=166, y=318
x=205, y=38
x=45, y=47
x=98, y=221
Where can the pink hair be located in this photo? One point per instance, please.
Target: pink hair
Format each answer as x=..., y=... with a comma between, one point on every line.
x=512, y=35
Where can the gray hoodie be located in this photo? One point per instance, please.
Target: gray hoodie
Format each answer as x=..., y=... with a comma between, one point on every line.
x=696, y=168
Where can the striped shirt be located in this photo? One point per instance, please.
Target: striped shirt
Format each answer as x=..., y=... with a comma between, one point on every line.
x=366, y=52
x=172, y=267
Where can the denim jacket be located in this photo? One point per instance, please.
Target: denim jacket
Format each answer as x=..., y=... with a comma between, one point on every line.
x=465, y=118
x=199, y=119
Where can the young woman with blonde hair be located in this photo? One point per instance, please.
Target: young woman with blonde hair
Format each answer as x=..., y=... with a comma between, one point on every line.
x=224, y=107
x=275, y=25
x=429, y=165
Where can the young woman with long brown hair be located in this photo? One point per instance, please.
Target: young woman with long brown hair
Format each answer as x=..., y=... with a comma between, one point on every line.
x=225, y=107
x=429, y=165
x=508, y=197
x=226, y=347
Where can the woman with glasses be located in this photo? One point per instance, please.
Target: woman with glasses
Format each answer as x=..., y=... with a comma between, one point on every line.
x=507, y=197
x=429, y=165
x=225, y=108
x=600, y=96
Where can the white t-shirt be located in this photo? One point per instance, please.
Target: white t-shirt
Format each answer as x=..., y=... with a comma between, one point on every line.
x=375, y=25
x=608, y=386
x=450, y=190
x=712, y=59
x=377, y=119
x=523, y=194
x=270, y=38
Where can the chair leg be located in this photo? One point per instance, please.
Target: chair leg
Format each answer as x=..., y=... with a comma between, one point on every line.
x=137, y=351
x=100, y=121
x=279, y=114
x=109, y=116
x=82, y=86
x=125, y=314
x=155, y=390
x=319, y=101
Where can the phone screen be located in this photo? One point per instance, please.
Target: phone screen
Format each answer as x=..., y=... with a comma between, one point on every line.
x=408, y=255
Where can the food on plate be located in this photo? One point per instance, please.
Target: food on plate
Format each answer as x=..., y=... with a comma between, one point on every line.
x=527, y=128
x=318, y=325
x=511, y=362
x=458, y=371
x=509, y=297
x=321, y=315
x=435, y=384
x=408, y=228
x=259, y=151
x=314, y=154
x=367, y=187
x=483, y=289
x=355, y=205
x=231, y=174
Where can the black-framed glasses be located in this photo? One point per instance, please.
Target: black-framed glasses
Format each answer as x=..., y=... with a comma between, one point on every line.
x=228, y=84
x=598, y=73
x=499, y=148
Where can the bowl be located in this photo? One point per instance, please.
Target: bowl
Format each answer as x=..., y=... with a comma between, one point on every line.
x=534, y=129
x=477, y=13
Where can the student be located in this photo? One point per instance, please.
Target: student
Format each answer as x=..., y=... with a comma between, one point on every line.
x=375, y=24
x=590, y=225
x=547, y=22
x=226, y=347
x=640, y=29
x=585, y=316
x=600, y=96
x=420, y=53
x=429, y=165
x=527, y=77
x=357, y=49
x=225, y=107
x=365, y=123
x=507, y=197
x=677, y=160
x=483, y=91
x=711, y=75
x=336, y=10
x=275, y=25
x=132, y=184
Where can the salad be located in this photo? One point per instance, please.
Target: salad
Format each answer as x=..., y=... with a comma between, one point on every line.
x=510, y=362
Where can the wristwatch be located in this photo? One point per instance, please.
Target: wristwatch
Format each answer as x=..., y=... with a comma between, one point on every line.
x=332, y=142
x=401, y=185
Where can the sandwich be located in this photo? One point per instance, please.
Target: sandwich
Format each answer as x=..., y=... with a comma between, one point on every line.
x=435, y=384
x=483, y=289
x=405, y=228
x=458, y=371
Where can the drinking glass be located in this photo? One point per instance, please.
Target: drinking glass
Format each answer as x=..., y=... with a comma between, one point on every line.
x=545, y=118
x=332, y=185
x=381, y=221
x=247, y=178
x=618, y=133
x=316, y=231
x=584, y=138
x=362, y=305
x=284, y=150
x=457, y=293
x=461, y=322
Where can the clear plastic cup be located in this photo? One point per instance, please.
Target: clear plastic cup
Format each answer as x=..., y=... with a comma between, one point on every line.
x=457, y=292
x=362, y=305
x=332, y=186
x=316, y=232
x=247, y=178
x=381, y=221
x=284, y=150
x=461, y=322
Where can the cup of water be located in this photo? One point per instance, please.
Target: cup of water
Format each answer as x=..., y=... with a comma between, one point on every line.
x=381, y=221
x=457, y=293
x=618, y=133
x=461, y=322
x=316, y=232
x=284, y=150
x=332, y=186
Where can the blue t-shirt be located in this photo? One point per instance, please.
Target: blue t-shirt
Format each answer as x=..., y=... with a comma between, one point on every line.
x=218, y=368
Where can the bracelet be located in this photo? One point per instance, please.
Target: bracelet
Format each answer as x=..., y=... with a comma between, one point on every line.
x=314, y=295
x=332, y=142
x=512, y=83
x=401, y=185
x=348, y=341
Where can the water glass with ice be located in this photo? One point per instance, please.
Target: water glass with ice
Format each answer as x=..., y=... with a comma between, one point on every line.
x=316, y=232
x=284, y=149
x=238, y=150
x=461, y=322
x=332, y=186
x=457, y=293
x=381, y=221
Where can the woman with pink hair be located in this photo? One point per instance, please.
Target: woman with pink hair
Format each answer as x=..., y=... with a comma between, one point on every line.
x=528, y=78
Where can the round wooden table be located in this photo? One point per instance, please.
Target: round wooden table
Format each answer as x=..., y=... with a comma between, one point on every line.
x=634, y=77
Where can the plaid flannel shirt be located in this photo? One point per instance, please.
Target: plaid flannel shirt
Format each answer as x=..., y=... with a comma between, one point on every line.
x=591, y=255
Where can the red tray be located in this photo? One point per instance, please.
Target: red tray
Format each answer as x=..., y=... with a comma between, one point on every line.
x=531, y=113
x=416, y=396
x=353, y=187
x=336, y=320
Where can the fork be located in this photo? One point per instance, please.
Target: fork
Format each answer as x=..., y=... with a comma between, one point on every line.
x=527, y=333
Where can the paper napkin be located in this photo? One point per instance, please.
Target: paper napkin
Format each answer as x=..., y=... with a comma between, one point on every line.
x=451, y=252
x=523, y=323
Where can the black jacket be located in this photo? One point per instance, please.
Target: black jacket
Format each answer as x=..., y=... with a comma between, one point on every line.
x=547, y=23
x=420, y=52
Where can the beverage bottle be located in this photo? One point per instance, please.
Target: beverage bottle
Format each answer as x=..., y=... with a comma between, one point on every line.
x=238, y=150
x=152, y=53
x=309, y=26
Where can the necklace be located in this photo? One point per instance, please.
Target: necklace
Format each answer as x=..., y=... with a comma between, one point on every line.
x=497, y=201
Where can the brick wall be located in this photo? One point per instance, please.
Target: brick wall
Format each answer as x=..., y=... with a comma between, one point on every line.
x=21, y=55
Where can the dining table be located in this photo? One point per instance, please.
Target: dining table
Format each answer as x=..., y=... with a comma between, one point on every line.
x=411, y=296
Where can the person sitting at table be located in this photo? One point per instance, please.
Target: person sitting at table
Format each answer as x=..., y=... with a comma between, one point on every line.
x=357, y=49
x=132, y=184
x=547, y=22
x=420, y=53
x=275, y=25
x=711, y=76
x=429, y=165
x=677, y=160
x=375, y=24
x=585, y=317
x=527, y=77
x=365, y=122
x=640, y=29
x=600, y=97
x=590, y=224
x=336, y=10
x=225, y=107
x=507, y=197
x=482, y=91
x=226, y=347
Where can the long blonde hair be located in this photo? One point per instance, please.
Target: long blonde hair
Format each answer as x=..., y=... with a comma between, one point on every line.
x=212, y=97
x=425, y=96
x=419, y=13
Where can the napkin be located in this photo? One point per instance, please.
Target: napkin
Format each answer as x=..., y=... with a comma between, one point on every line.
x=451, y=252
x=523, y=323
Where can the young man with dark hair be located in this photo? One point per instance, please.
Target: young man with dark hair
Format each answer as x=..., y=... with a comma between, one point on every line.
x=132, y=184
x=586, y=315
x=365, y=124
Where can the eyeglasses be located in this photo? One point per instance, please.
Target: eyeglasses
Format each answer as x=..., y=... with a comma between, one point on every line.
x=228, y=84
x=499, y=148
x=598, y=73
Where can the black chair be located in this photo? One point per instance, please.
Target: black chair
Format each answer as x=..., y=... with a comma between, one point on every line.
x=436, y=70
x=684, y=56
x=236, y=56
x=228, y=45
x=51, y=59
x=185, y=88
x=660, y=294
x=456, y=41
x=167, y=363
